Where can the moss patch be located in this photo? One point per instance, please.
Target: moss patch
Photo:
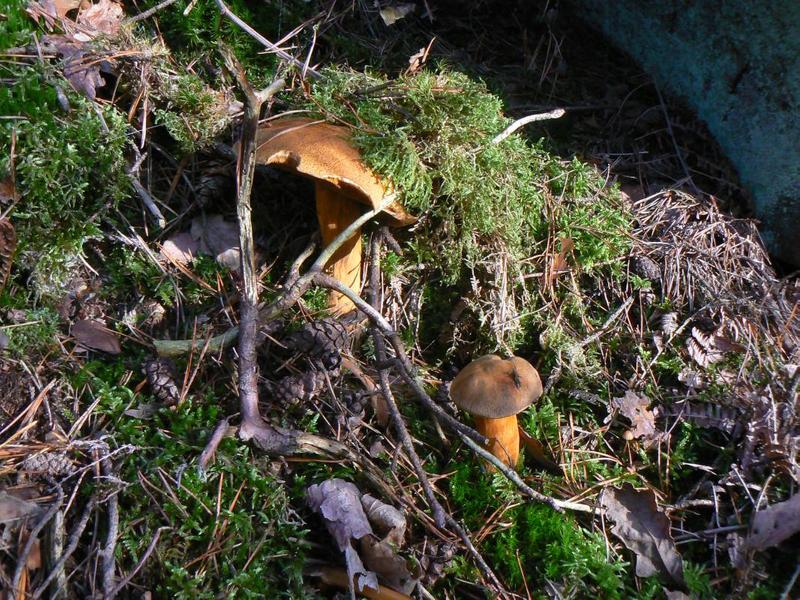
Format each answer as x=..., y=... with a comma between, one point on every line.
x=69, y=168
x=490, y=214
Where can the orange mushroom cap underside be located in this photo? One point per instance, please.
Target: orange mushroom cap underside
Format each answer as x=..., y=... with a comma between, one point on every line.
x=324, y=152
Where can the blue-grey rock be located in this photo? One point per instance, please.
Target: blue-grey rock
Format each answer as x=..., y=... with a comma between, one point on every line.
x=737, y=64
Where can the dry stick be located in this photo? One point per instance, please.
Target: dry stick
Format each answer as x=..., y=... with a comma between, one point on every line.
x=223, y=8
x=53, y=543
x=107, y=553
x=513, y=476
x=293, y=289
x=397, y=418
x=148, y=551
x=72, y=544
x=149, y=12
x=553, y=114
x=440, y=516
x=144, y=195
x=22, y=559
x=248, y=318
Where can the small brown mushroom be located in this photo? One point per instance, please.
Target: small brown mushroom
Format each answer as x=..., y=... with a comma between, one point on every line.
x=494, y=391
x=344, y=186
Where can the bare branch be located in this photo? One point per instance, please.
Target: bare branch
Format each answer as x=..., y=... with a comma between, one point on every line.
x=553, y=114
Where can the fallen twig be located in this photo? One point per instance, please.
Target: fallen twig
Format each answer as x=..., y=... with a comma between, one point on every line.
x=553, y=114
x=108, y=564
x=72, y=544
x=144, y=195
x=149, y=12
x=22, y=559
x=223, y=8
x=248, y=320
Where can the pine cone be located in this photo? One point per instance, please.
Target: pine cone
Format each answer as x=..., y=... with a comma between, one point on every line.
x=161, y=377
x=322, y=341
x=212, y=188
x=434, y=564
x=50, y=464
x=294, y=389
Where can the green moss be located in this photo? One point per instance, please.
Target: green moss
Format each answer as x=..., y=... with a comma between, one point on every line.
x=130, y=272
x=69, y=169
x=193, y=113
x=252, y=548
x=533, y=543
x=15, y=26
x=36, y=335
x=487, y=210
x=195, y=35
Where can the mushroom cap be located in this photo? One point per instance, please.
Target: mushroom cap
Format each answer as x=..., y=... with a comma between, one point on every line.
x=325, y=153
x=494, y=388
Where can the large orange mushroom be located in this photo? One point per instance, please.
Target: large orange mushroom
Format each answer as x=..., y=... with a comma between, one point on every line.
x=494, y=391
x=344, y=187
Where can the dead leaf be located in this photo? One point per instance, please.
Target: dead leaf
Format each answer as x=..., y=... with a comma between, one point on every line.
x=57, y=9
x=62, y=7
x=774, y=524
x=8, y=245
x=81, y=68
x=339, y=504
x=218, y=238
x=417, y=60
x=388, y=521
x=392, y=14
x=634, y=407
x=8, y=192
x=13, y=508
x=96, y=336
x=101, y=18
x=390, y=568
x=645, y=530
x=180, y=248
x=559, y=261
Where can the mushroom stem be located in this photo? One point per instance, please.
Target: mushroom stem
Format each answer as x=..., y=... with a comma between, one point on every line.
x=335, y=213
x=503, y=434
